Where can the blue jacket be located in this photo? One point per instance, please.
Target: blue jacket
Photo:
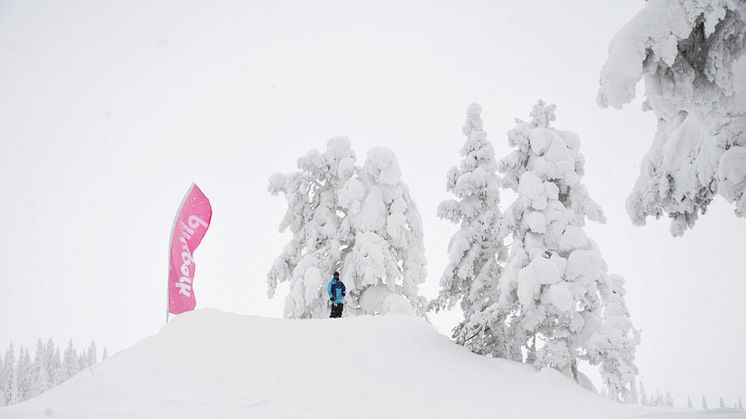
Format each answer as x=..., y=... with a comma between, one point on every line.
x=336, y=291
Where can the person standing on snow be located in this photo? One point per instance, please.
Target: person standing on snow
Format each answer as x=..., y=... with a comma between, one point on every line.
x=336, y=291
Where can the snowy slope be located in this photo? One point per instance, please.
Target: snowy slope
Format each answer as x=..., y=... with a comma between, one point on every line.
x=210, y=364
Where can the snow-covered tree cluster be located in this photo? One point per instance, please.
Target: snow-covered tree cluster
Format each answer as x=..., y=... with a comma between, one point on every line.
x=658, y=399
x=22, y=378
x=475, y=250
x=722, y=408
x=687, y=52
x=358, y=220
x=550, y=301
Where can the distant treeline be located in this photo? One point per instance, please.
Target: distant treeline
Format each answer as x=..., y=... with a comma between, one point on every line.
x=665, y=400
x=22, y=378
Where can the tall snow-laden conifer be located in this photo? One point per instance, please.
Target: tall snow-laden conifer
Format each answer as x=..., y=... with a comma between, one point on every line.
x=564, y=305
x=313, y=217
x=360, y=221
x=386, y=260
x=685, y=51
x=475, y=250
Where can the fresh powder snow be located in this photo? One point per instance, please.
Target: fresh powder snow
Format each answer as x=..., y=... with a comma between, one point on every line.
x=211, y=364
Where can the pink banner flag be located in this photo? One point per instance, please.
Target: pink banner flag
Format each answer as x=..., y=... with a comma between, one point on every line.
x=190, y=226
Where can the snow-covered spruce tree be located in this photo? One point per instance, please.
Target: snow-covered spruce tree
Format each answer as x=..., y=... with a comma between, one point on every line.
x=475, y=250
x=643, y=396
x=656, y=399
x=685, y=51
x=689, y=402
x=41, y=373
x=704, y=403
x=385, y=261
x=8, y=383
x=59, y=374
x=70, y=361
x=313, y=217
x=555, y=283
x=614, y=343
x=92, y=354
x=2, y=383
x=359, y=221
x=24, y=376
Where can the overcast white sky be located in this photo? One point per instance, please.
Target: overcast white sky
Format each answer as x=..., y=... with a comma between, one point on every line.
x=109, y=110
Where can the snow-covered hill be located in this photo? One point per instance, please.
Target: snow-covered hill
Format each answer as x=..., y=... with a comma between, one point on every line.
x=210, y=364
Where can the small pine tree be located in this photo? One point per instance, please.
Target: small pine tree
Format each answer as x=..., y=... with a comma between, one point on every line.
x=8, y=383
x=704, y=403
x=58, y=374
x=105, y=354
x=71, y=363
x=689, y=402
x=2, y=373
x=643, y=396
x=722, y=403
x=83, y=360
x=634, y=396
x=41, y=380
x=24, y=376
x=740, y=404
x=92, y=355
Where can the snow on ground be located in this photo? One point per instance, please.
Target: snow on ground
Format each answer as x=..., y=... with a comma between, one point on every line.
x=209, y=364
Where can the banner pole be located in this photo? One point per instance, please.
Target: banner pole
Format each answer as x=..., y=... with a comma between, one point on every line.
x=168, y=283
x=168, y=273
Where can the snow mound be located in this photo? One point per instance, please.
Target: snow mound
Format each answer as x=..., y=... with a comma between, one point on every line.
x=210, y=364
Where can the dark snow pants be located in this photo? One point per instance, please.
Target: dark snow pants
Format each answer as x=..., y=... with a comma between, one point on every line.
x=336, y=310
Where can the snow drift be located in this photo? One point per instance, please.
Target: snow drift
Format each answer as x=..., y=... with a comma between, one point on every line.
x=210, y=364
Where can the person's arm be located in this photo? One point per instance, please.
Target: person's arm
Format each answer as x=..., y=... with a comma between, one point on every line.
x=330, y=289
